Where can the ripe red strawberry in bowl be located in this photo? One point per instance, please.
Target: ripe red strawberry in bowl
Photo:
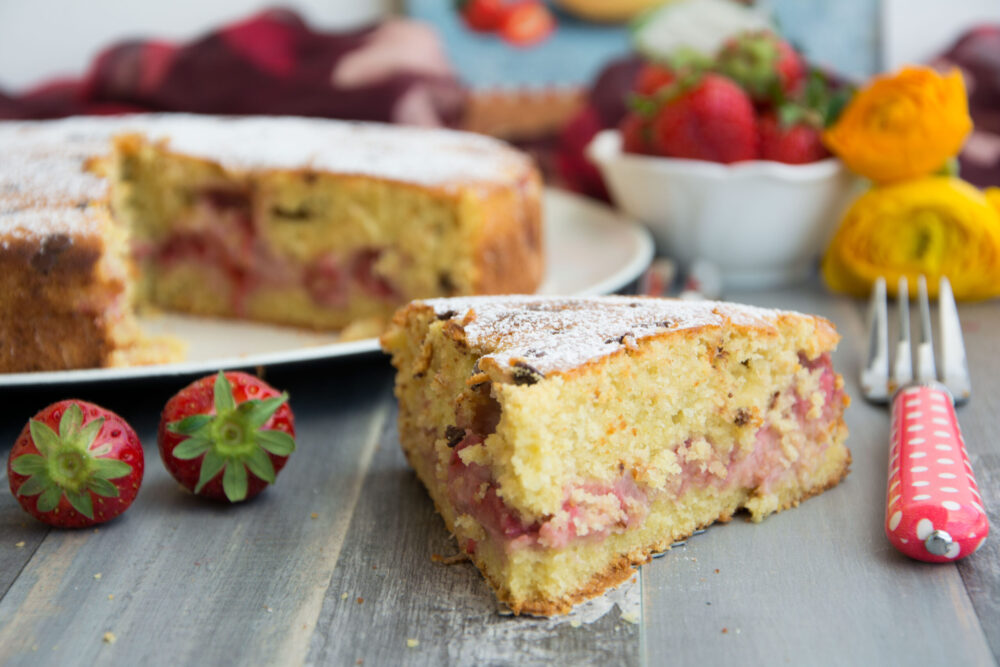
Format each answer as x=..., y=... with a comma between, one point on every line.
x=653, y=77
x=789, y=140
x=763, y=64
x=75, y=464
x=226, y=436
x=711, y=119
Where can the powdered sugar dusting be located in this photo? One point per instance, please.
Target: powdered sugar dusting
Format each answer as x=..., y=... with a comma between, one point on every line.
x=44, y=188
x=553, y=334
x=46, y=223
x=414, y=155
x=42, y=163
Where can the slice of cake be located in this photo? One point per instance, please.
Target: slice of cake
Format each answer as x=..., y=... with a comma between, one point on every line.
x=564, y=440
x=305, y=222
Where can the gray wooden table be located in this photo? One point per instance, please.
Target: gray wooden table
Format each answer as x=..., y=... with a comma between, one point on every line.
x=333, y=565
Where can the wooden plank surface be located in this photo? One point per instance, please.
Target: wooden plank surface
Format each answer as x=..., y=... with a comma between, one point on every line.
x=821, y=583
x=181, y=581
x=265, y=583
x=386, y=590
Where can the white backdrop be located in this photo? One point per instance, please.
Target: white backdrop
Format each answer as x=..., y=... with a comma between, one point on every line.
x=914, y=31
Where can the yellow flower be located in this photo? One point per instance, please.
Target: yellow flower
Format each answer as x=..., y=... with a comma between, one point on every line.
x=935, y=226
x=902, y=126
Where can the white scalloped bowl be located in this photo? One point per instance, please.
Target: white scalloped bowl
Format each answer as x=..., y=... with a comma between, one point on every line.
x=762, y=223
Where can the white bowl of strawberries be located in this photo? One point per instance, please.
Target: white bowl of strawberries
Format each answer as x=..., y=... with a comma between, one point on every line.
x=723, y=160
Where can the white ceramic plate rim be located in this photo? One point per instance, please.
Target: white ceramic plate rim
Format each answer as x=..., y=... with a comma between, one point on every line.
x=564, y=210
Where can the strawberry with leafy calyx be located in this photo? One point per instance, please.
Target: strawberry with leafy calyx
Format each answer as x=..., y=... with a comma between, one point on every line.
x=763, y=64
x=226, y=436
x=792, y=132
x=705, y=117
x=75, y=464
x=790, y=138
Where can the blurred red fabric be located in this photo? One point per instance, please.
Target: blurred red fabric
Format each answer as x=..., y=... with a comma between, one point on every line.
x=271, y=63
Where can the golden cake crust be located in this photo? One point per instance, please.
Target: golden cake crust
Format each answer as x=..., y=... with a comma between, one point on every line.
x=39, y=280
x=512, y=341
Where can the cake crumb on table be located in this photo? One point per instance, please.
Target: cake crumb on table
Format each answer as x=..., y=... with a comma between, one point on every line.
x=97, y=576
x=109, y=638
x=111, y=596
x=460, y=557
x=630, y=617
x=314, y=515
x=343, y=596
x=412, y=643
x=360, y=600
x=20, y=545
x=575, y=623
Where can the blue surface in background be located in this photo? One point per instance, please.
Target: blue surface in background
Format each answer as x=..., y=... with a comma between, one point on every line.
x=842, y=34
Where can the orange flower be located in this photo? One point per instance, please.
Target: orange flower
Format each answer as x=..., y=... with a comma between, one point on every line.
x=902, y=126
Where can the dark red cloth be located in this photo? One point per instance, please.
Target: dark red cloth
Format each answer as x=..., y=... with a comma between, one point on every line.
x=272, y=63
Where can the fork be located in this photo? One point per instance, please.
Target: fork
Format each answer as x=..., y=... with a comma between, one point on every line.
x=934, y=511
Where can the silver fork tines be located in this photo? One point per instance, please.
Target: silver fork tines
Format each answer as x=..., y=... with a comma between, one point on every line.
x=876, y=382
x=954, y=367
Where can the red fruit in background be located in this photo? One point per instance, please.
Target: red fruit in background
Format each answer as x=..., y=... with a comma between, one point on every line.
x=763, y=64
x=792, y=143
x=636, y=135
x=527, y=23
x=652, y=77
x=483, y=15
x=226, y=436
x=713, y=120
x=574, y=167
x=610, y=95
x=75, y=465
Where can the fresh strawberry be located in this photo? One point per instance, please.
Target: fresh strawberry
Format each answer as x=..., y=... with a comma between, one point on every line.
x=765, y=65
x=713, y=120
x=482, y=15
x=226, y=436
x=636, y=134
x=790, y=141
x=653, y=77
x=527, y=23
x=75, y=464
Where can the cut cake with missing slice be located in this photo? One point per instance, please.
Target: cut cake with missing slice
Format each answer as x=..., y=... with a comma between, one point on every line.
x=305, y=222
x=564, y=440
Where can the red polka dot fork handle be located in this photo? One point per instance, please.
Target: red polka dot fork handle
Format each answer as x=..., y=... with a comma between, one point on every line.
x=934, y=512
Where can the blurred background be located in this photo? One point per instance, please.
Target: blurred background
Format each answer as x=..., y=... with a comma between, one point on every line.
x=48, y=38
x=547, y=79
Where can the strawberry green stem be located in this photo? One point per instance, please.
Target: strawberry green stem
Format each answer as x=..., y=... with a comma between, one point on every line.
x=66, y=464
x=233, y=441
